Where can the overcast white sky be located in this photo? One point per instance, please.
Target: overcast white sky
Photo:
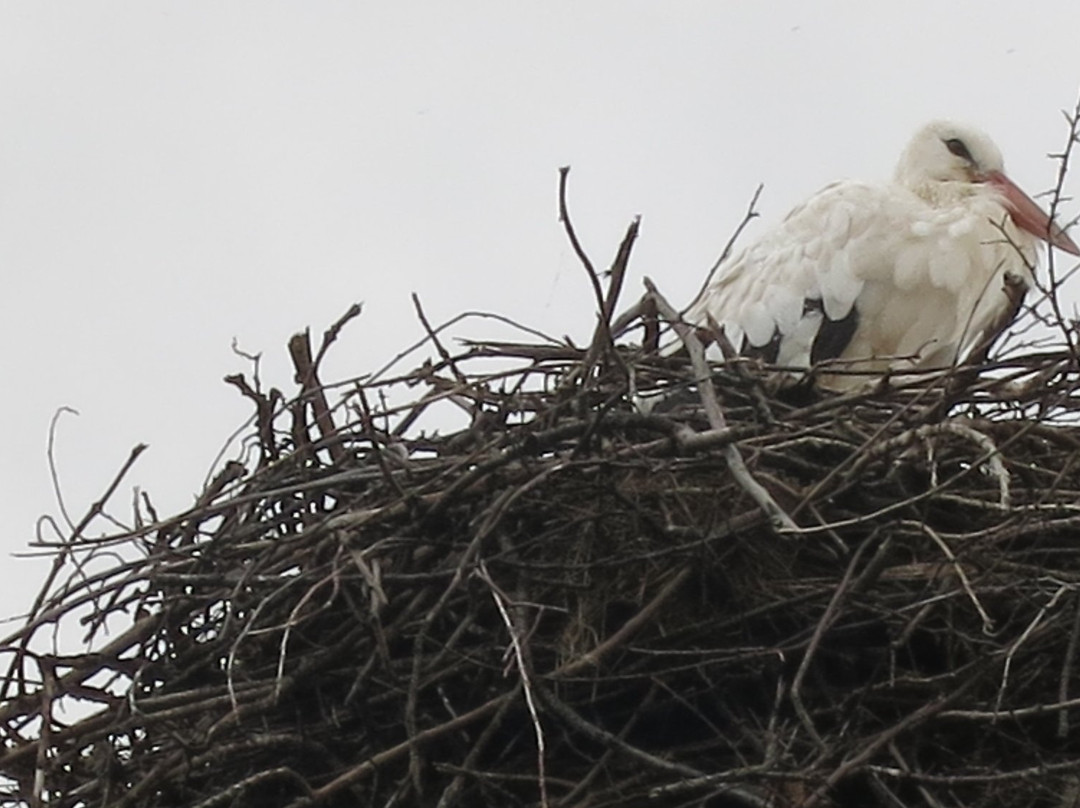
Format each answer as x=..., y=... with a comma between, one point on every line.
x=174, y=175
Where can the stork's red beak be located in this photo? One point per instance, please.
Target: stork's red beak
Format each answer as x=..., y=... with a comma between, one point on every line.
x=1029, y=216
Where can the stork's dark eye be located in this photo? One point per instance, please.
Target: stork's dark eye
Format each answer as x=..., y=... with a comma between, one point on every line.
x=959, y=148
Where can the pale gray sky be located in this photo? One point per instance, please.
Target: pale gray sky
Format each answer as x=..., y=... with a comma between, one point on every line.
x=173, y=175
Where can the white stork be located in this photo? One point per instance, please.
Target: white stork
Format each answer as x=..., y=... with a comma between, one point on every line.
x=916, y=273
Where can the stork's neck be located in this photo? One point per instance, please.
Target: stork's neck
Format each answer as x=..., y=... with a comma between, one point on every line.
x=945, y=193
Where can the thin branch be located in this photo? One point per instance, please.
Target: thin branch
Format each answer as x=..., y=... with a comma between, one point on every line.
x=703, y=379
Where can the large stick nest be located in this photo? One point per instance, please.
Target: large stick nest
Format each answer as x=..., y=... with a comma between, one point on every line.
x=742, y=598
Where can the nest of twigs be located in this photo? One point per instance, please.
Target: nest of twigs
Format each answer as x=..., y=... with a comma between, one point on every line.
x=742, y=597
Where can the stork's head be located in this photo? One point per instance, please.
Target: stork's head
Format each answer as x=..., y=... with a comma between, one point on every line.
x=943, y=151
x=947, y=160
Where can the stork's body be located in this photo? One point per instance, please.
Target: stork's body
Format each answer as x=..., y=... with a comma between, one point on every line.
x=910, y=274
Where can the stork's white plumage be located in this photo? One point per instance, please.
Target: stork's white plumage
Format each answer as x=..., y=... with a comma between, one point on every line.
x=916, y=273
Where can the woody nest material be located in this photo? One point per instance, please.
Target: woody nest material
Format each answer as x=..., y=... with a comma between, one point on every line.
x=743, y=598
